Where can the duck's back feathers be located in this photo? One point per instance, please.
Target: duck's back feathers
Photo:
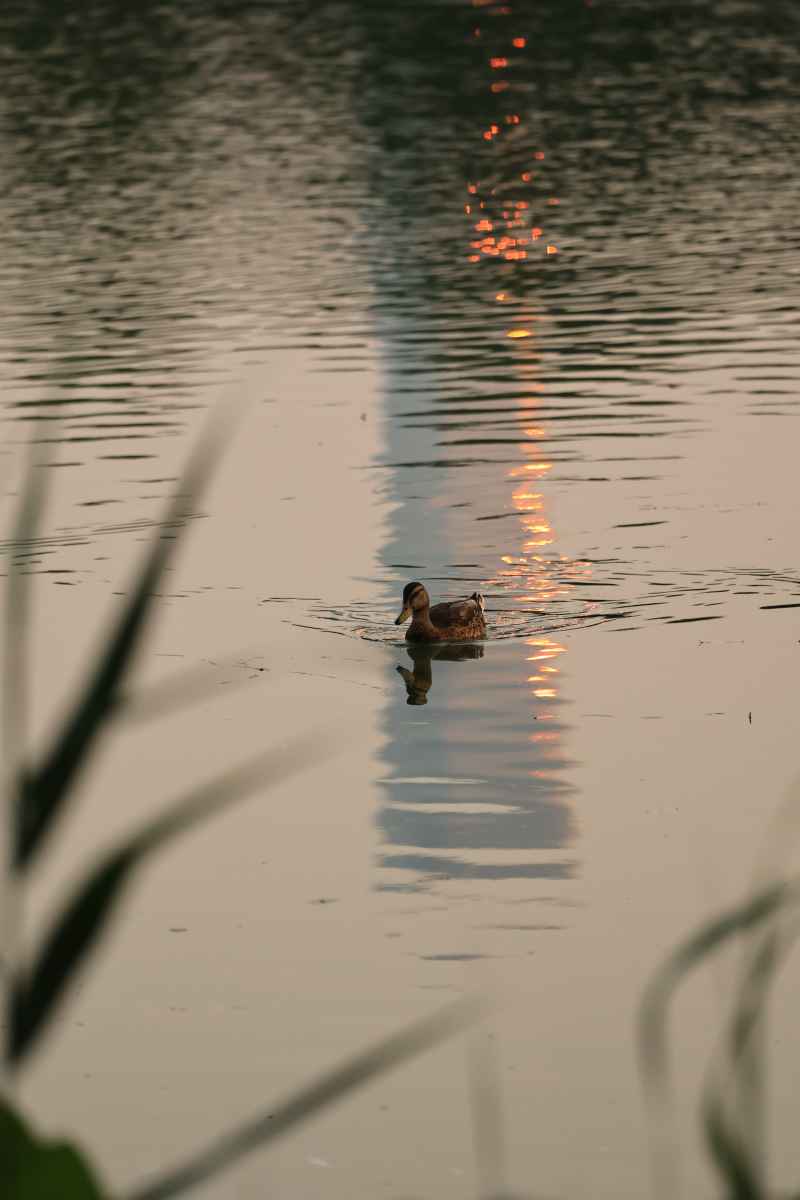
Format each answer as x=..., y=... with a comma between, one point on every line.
x=453, y=620
x=457, y=612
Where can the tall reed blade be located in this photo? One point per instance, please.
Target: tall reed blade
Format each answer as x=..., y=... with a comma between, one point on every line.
x=730, y=1154
x=694, y=951
x=14, y=722
x=728, y=1143
x=15, y=674
x=45, y=789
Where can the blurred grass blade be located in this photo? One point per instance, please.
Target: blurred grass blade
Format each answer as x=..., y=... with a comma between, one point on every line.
x=652, y=1028
x=35, y=994
x=730, y=1155
x=44, y=790
x=742, y=1085
x=14, y=717
x=488, y=1133
x=658, y=994
x=733, y=1111
x=325, y=1091
x=15, y=673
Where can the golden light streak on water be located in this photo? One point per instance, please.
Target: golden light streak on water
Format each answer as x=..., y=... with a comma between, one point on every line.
x=530, y=573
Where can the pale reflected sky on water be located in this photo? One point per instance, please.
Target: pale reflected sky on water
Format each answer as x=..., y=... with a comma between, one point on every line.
x=513, y=310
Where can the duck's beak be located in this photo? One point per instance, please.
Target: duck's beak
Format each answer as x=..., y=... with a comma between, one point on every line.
x=404, y=615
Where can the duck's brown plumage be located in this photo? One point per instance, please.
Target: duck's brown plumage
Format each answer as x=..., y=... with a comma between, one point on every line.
x=451, y=621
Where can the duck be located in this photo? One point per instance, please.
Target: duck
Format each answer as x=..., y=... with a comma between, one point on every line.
x=452, y=621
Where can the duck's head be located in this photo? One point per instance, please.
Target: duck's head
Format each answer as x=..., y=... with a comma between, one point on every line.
x=415, y=597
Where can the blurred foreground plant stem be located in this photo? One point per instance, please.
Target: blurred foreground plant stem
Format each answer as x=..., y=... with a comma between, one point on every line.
x=14, y=731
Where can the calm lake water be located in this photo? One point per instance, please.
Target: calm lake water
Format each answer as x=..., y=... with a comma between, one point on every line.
x=507, y=298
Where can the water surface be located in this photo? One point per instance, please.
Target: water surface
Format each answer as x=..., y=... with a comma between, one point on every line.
x=507, y=295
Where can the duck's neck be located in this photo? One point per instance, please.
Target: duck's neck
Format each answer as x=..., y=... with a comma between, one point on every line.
x=421, y=624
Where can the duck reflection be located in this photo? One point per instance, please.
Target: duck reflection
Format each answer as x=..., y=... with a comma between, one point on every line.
x=418, y=680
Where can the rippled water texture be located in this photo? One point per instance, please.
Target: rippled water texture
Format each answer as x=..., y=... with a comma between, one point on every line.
x=506, y=298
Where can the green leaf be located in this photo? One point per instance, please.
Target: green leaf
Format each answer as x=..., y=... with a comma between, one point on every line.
x=14, y=1136
x=44, y=790
x=35, y=993
x=34, y=1169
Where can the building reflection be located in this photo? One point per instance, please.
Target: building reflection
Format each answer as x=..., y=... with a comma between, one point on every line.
x=477, y=788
